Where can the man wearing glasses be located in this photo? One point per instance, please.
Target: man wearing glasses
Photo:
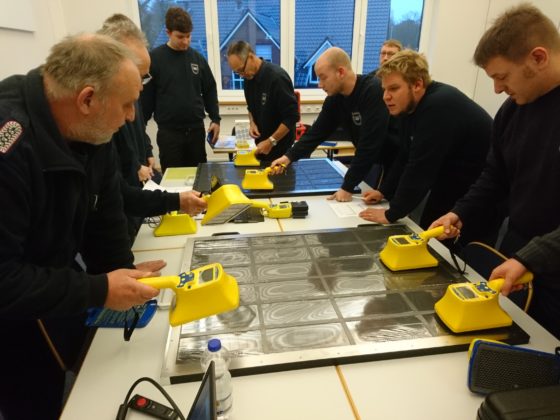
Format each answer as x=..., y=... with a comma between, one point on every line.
x=272, y=104
x=182, y=89
x=132, y=145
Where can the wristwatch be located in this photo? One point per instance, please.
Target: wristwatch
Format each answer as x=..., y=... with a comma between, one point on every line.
x=273, y=141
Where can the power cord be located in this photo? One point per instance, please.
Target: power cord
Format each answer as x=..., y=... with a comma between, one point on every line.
x=123, y=408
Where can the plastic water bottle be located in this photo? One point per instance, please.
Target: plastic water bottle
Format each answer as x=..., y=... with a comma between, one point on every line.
x=220, y=355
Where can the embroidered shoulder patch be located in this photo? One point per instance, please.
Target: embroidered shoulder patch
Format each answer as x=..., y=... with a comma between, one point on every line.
x=10, y=132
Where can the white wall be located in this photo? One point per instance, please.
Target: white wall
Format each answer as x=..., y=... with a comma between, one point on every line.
x=450, y=33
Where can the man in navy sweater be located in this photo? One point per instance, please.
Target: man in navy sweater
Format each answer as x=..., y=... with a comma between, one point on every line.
x=272, y=104
x=61, y=197
x=443, y=140
x=521, y=53
x=355, y=102
x=182, y=88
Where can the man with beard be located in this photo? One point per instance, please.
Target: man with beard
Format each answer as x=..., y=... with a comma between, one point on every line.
x=61, y=198
x=353, y=101
x=272, y=104
x=521, y=53
x=443, y=141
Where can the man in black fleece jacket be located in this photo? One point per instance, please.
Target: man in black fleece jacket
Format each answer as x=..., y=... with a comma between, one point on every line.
x=443, y=137
x=130, y=143
x=182, y=88
x=271, y=101
x=61, y=197
x=521, y=53
x=355, y=102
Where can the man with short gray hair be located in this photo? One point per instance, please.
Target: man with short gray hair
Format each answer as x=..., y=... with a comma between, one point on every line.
x=60, y=199
x=271, y=102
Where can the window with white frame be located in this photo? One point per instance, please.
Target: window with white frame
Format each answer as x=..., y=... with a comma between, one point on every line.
x=303, y=28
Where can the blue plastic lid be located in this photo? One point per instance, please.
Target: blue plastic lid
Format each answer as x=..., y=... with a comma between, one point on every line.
x=214, y=344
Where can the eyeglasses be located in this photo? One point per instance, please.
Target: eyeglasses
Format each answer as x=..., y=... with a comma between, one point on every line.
x=146, y=78
x=242, y=70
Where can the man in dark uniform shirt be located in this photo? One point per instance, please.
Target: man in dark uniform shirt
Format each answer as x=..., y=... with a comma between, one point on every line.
x=272, y=104
x=61, y=197
x=355, y=102
x=521, y=53
x=182, y=88
x=443, y=137
x=131, y=143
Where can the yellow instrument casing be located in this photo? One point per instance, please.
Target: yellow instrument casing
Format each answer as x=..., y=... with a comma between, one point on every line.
x=407, y=252
x=257, y=179
x=224, y=204
x=200, y=293
x=246, y=158
x=175, y=224
x=475, y=306
x=281, y=210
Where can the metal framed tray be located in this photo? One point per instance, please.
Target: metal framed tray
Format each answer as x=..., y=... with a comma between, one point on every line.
x=304, y=177
x=318, y=298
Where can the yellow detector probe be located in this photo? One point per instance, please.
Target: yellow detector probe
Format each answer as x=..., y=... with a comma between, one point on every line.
x=200, y=293
x=407, y=252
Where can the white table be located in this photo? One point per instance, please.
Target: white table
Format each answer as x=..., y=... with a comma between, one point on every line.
x=428, y=387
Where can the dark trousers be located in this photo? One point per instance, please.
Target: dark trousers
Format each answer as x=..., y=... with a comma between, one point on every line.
x=31, y=379
x=181, y=148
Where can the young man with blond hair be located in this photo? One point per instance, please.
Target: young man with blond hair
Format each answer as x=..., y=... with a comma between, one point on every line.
x=389, y=49
x=443, y=141
x=520, y=52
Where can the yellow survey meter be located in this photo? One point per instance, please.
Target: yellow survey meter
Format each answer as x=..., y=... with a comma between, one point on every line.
x=475, y=306
x=407, y=252
x=257, y=179
x=228, y=201
x=200, y=293
x=246, y=158
x=175, y=223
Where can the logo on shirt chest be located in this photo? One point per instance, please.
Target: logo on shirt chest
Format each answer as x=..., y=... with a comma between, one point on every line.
x=263, y=98
x=357, y=118
x=194, y=68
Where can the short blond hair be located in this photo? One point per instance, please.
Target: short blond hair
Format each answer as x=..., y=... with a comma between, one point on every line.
x=395, y=43
x=84, y=60
x=411, y=65
x=515, y=33
x=337, y=57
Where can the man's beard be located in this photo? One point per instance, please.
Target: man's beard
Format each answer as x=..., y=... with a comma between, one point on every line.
x=90, y=132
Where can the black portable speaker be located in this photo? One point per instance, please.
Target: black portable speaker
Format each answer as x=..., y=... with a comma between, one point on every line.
x=495, y=366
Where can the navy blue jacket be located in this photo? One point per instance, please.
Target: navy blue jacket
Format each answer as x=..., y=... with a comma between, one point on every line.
x=59, y=198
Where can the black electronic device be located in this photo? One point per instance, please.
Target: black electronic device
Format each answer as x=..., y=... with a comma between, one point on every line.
x=209, y=137
x=300, y=209
x=109, y=318
x=204, y=406
x=529, y=404
x=152, y=408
